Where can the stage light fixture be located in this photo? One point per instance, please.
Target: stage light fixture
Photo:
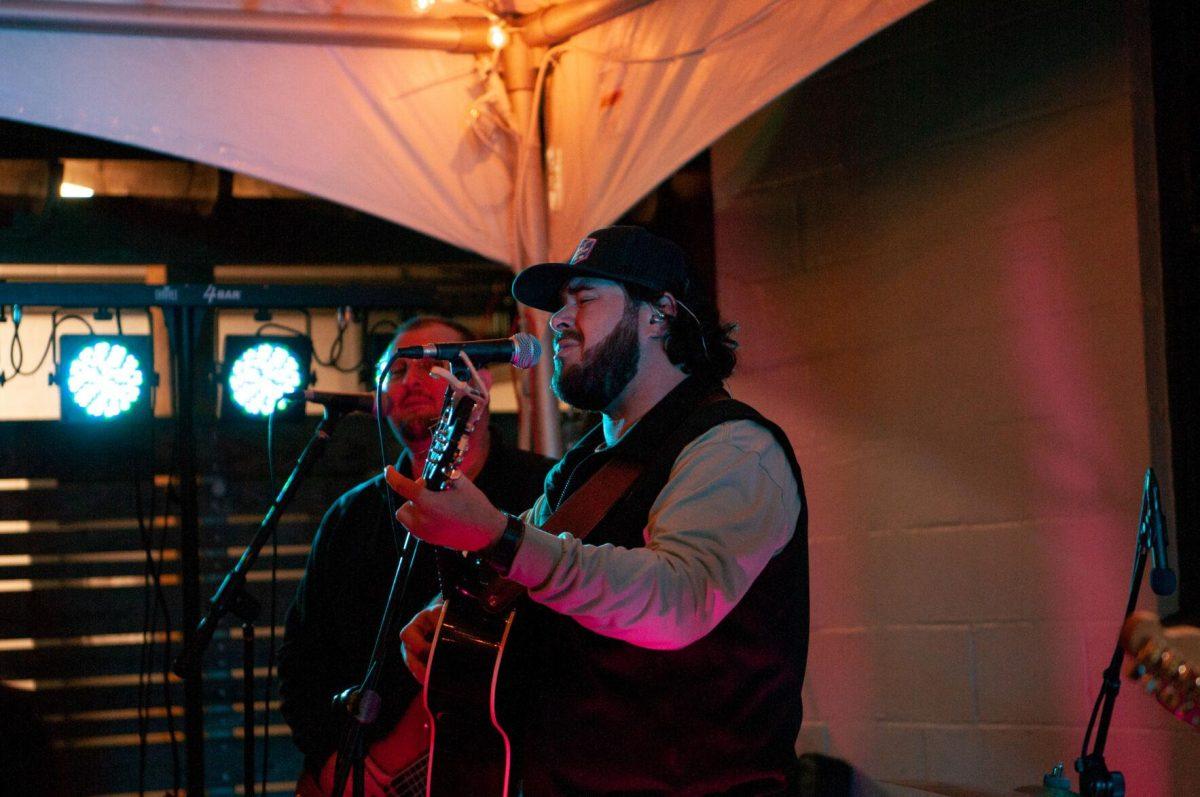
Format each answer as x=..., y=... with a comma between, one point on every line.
x=260, y=370
x=103, y=378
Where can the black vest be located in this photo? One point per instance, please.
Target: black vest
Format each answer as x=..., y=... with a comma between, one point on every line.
x=719, y=715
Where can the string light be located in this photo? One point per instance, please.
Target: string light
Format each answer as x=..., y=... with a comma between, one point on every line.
x=498, y=36
x=421, y=6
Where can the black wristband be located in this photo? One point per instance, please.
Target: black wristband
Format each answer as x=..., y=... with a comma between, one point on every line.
x=500, y=554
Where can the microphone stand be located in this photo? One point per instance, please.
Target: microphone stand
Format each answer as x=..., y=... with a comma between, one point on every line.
x=362, y=703
x=1095, y=779
x=231, y=596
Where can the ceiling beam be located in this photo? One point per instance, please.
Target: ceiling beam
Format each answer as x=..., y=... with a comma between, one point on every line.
x=455, y=34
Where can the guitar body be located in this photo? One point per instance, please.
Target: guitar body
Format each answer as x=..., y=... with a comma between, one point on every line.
x=394, y=765
x=470, y=751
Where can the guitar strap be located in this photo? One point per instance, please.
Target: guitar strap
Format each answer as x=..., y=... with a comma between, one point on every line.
x=578, y=515
x=586, y=507
x=583, y=509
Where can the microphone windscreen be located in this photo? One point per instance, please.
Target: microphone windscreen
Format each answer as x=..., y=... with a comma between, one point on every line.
x=1162, y=581
x=527, y=350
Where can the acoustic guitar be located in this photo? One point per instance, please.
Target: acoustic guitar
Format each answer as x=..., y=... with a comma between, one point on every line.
x=1166, y=661
x=395, y=765
x=448, y=741
x=470, y=752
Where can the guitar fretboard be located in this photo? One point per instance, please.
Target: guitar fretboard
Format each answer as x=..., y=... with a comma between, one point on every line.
x=410, y=781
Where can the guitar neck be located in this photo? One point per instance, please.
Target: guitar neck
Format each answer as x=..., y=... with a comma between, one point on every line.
x=410, y=781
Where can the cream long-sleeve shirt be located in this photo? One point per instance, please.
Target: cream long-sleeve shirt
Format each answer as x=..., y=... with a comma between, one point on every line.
x=730, y=504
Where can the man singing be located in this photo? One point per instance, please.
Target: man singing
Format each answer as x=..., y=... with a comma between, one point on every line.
x=673, y=639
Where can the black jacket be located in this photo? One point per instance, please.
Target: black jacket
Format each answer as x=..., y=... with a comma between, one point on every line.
x=718, y=716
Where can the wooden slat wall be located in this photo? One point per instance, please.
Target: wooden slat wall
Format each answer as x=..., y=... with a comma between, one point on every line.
x=72, y=591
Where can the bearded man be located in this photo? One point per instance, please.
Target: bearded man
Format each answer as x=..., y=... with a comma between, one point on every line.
x=332, y=622
x=675, y=636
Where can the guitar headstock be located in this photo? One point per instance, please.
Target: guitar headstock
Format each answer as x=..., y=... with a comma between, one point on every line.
x=1166, y=661
x=466, y=396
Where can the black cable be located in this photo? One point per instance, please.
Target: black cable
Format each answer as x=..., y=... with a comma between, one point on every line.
x=281, y=327
x=144, y=662
x=15, y=345
x=335, y=354
x=383, y=457
x=266, y=721
x=152, y=598
x=335, y=349
x=392, y=322
x=271, y=451
x=151, y=612
x=270, y=659
x=168, y=701
x=51, y=344
x=172, y=476
x=151, y=589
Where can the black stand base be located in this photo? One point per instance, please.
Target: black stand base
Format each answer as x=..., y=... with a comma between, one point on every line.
x=1096, y=781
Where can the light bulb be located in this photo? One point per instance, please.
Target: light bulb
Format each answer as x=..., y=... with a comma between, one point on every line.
x=497, y=36
x=75, y=191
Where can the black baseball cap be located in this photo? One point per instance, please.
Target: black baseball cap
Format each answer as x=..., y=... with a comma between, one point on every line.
x=620, y=253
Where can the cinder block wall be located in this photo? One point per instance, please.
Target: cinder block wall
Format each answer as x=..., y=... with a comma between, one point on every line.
x=932, y=249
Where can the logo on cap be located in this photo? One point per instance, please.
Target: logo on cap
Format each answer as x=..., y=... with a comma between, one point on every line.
x=583, y=250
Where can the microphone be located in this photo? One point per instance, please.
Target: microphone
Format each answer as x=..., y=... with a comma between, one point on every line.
x=346, y=403
x=522, y=350
x=1162, y=577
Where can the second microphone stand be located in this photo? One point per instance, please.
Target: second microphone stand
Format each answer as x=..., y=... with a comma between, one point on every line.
x=1095, y=779
x=231, y=596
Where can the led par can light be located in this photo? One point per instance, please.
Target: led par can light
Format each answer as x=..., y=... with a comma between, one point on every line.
x=104, y=378
x=259, y=370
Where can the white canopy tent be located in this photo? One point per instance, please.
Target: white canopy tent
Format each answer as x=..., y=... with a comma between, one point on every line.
x=426, y=119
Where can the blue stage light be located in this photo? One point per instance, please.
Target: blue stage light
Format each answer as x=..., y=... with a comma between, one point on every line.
x=262, y=376
x=260, y=371
x=106, y=377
